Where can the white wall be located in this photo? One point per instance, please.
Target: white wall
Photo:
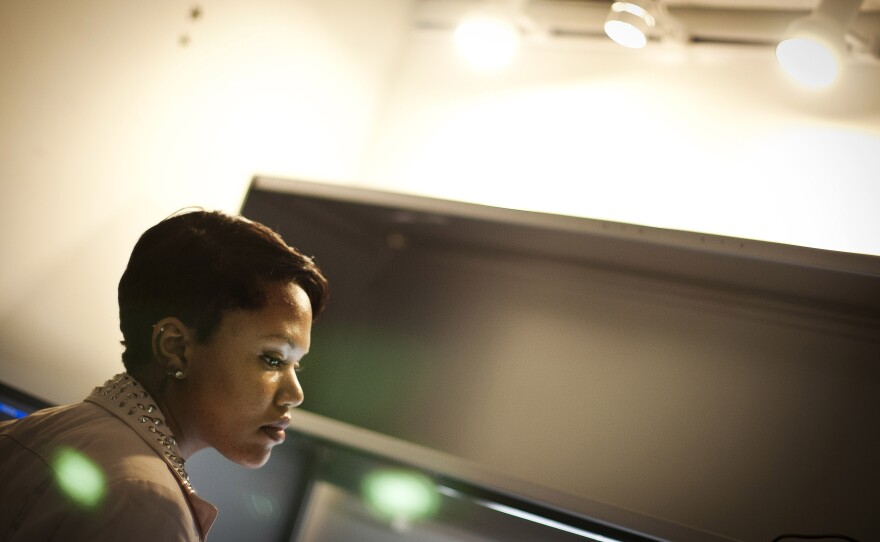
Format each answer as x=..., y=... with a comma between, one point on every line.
x=108, y=124
x=707, y=138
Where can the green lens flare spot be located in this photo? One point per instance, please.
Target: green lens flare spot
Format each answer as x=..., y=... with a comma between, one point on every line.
x=260, y=506
x=400, y=495
x=78, y=477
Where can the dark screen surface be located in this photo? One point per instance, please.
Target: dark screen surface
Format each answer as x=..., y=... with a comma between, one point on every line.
x=671, y=373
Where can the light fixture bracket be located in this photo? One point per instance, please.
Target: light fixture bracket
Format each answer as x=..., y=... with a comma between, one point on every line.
x=633, y=23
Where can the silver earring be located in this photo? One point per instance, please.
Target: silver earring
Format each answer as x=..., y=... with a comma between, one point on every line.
x=179, y=375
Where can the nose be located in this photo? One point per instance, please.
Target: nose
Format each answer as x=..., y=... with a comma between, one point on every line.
x=290, y=393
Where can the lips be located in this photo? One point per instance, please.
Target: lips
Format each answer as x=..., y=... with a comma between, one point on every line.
x=275, y=430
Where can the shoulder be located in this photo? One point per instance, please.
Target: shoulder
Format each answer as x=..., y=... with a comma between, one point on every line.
x=83, y=426
x=132, y=509
x=83, y=439
x=135, y=500
x=44, y=427
x=79, y=469
x=80, y=435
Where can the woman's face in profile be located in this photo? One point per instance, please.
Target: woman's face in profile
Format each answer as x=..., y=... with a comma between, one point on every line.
x=242, y=381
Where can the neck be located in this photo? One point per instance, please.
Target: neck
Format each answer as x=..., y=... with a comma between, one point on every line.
x=164, y=390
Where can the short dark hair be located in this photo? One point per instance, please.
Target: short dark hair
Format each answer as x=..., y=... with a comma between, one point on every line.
x=195, y=265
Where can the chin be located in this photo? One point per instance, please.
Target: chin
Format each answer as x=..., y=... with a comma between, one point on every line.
x=255, y=462
x=250, y=460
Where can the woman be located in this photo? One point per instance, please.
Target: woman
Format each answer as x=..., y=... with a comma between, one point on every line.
x=216, y=314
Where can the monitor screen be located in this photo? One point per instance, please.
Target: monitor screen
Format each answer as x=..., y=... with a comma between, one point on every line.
x=15, y=404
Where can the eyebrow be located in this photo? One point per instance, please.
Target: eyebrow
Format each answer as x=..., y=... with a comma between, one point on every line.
x=287, y=340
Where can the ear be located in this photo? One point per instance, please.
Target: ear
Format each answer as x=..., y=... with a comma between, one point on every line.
x=170, y=338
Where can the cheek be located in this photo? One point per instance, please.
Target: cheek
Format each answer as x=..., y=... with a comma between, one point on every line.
x=253, y=388
x=225, y=381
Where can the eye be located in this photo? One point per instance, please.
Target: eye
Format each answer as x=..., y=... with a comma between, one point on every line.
x=271, y=361
x=275, y=363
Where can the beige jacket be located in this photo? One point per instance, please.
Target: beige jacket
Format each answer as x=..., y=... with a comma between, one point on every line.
x=104, y=469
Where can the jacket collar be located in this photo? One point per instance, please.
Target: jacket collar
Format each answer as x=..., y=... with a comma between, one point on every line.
x=128, y=400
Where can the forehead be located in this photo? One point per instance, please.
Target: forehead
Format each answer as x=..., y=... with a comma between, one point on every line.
x=287, y=294
x=287, y=312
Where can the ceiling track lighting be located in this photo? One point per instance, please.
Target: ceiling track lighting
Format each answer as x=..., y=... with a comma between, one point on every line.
x=489, y=35
x=814, y=46
x=632, y=23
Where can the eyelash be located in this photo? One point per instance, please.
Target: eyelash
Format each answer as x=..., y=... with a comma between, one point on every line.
x=275, y=363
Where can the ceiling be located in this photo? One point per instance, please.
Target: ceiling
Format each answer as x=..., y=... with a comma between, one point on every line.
x=737, y=22
x=772, y=5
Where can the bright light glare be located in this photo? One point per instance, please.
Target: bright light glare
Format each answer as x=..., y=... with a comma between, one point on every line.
x=808, y=62
x=625, y=34
x=638, y=11
x=548, y=522
x=79, y=478
x=487, y=44
x=400, y=494
x=510, y=511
